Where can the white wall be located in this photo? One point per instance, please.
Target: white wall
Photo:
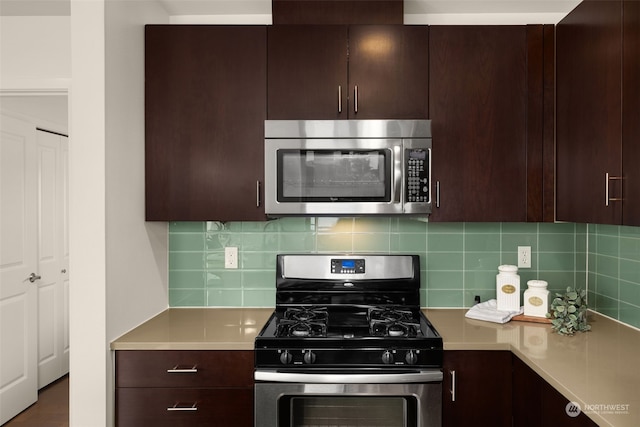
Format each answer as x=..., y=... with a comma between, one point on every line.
x=118, y=262
x=137, y=252
x=36, y=52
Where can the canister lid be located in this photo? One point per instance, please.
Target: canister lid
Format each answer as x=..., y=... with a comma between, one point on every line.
x=507, y=268
x=541, y=284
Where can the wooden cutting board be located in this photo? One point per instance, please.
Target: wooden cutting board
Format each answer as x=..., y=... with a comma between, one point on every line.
x=523, y=318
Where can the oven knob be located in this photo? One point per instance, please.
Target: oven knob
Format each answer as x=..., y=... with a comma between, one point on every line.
x=387, y=357
x=286, y=357
x=411, y=357
x=309, y=357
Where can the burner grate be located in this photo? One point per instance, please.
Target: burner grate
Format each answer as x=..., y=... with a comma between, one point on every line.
x=303, y=322
x=391, y=322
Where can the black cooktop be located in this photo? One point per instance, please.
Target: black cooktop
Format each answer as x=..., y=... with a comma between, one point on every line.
x=348, y=310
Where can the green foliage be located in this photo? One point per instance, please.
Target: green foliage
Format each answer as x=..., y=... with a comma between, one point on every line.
x=569, y=312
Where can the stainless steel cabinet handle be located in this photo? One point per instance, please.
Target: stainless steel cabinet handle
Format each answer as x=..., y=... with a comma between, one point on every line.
x=355, y=99
x=181, y=406
x=339, y=99
x=453, y=385
x=183, y=369
x=608, y=199
x=33, y=277
x=437, y=194
x=257, y=194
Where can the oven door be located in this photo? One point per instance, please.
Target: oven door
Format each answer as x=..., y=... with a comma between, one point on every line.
x=349, y=400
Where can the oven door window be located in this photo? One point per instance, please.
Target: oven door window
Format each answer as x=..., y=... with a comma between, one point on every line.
x=348, y=411
x=334, y=175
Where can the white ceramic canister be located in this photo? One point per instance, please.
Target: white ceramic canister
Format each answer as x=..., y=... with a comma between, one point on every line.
x=508, y=288
x=536, y=298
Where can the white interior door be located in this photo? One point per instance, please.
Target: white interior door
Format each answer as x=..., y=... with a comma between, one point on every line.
x=18, y=261
x=53, y=347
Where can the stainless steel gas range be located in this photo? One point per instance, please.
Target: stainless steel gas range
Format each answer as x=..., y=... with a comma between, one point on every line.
x=348, y=346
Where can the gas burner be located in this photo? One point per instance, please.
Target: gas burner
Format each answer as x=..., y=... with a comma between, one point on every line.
x=307, y=314
x=390, y=314
x=303, y=329
x=391, y=322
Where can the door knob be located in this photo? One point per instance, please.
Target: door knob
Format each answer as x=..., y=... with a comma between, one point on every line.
x=33, y=277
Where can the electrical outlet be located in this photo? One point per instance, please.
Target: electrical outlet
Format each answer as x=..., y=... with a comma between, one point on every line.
x=230, y=257
x=524, y=256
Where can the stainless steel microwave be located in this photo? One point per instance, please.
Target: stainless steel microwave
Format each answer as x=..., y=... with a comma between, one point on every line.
x=347, y=167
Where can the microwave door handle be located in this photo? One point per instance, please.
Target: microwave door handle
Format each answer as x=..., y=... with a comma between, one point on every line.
x=398, y=173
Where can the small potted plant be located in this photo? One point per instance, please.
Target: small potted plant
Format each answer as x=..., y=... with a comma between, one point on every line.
x=569, y=312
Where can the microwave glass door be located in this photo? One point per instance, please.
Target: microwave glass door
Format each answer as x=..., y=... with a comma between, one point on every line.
x=334, y=175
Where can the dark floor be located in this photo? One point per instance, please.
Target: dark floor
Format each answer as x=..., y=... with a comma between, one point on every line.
x=51, y=409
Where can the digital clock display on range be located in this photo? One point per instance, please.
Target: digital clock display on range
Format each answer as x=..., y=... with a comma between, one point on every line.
x=348, y=263
x=347, y=266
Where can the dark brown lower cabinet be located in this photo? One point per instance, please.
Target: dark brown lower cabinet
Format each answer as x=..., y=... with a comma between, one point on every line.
x=537, y=404
x=160, y=407
x=476, y=388
x=496, y=388
x=184, y=388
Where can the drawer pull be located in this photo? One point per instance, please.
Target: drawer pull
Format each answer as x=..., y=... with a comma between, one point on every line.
x=182, y=406
x=183, y=369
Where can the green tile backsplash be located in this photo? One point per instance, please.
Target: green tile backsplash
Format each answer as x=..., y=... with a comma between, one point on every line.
x=458, y=260
x=613, y=263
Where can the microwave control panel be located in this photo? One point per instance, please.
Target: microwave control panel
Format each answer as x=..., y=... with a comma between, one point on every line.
x=417, y=175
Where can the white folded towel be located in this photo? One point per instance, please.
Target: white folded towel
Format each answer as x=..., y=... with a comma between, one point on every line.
x=488, y=311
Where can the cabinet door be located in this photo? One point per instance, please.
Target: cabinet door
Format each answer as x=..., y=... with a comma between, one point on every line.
x=527, y=396
x=307, y=72
x=478, y=103
x=588, y=139
x=476, y=388
x=205, y=98
x=537, y=404
x=389, y=65
x=631, y=112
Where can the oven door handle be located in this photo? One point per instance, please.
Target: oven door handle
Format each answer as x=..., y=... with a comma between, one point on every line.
x=426, y=376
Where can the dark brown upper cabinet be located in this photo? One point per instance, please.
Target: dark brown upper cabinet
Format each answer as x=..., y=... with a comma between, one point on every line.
x=491, y=106
x=205, y=106
x=631, y=112
x=598, y=113
x=327, y=12
x=348, y=72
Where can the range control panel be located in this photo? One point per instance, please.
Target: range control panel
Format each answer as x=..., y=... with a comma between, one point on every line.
x=347, y=266
x=417, y=175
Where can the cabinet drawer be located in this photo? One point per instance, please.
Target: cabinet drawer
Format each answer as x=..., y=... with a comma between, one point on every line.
x=137, y=407
x=188, y=368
